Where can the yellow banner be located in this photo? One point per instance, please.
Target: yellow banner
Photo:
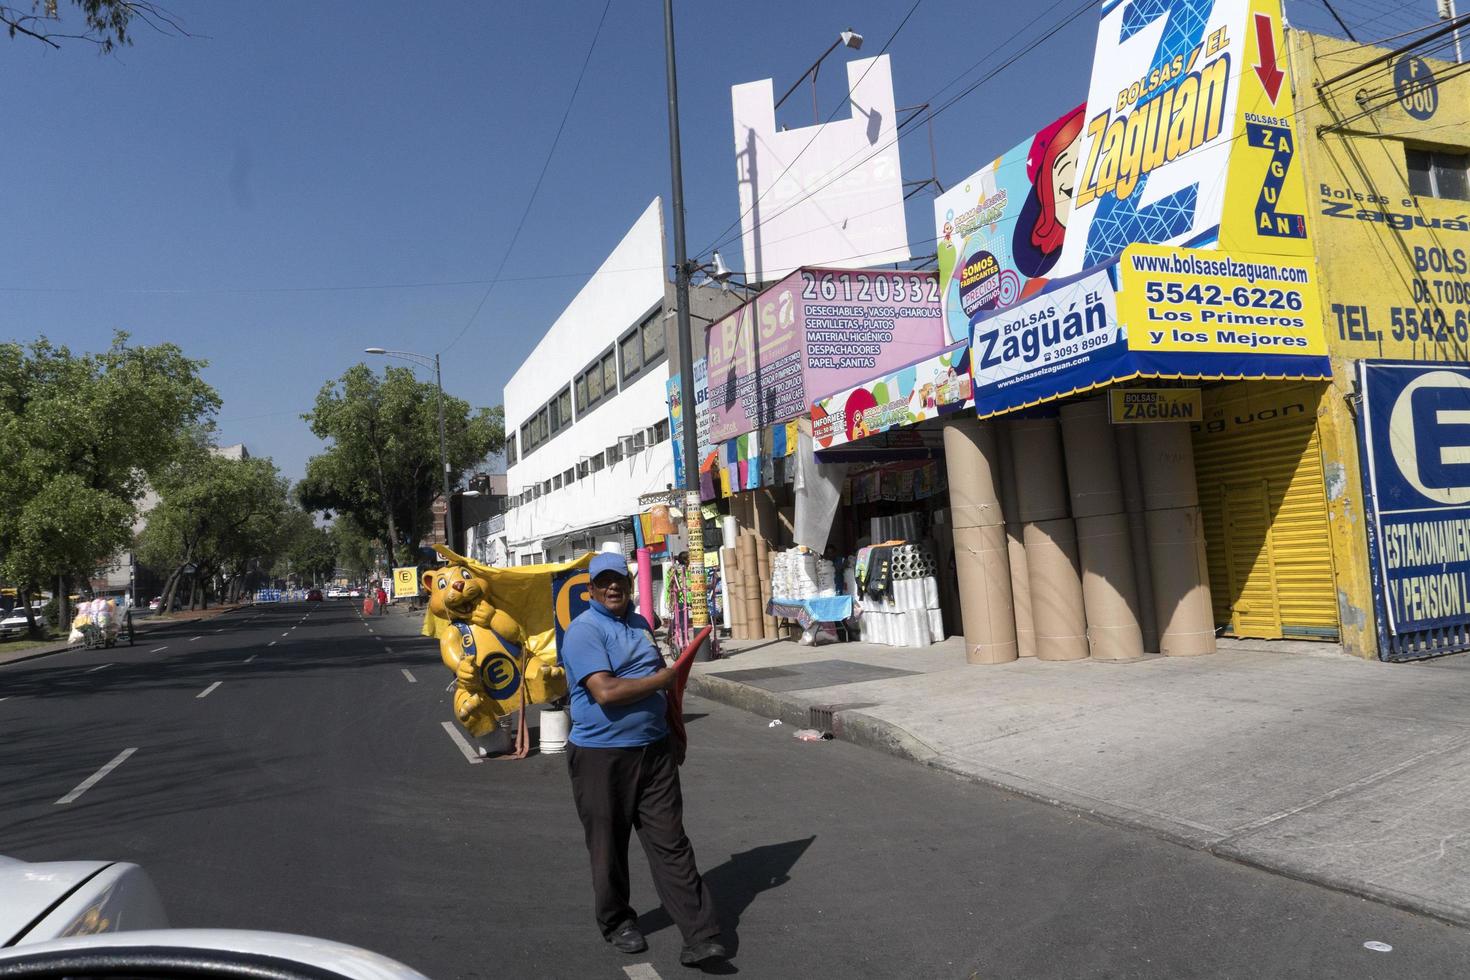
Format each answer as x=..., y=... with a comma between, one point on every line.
x=405, y=583
x=1185, y=300
x=1130, y=405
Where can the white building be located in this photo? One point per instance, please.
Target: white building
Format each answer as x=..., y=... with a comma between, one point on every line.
x=586, y=415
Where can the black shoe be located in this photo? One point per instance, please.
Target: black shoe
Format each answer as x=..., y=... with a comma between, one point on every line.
x=703, y=952
x=627, y=939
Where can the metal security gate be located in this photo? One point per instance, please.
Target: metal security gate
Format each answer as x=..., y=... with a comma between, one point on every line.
x=1258, y=464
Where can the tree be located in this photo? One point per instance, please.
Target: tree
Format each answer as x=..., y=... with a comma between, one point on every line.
x=105, y=23
x=308, y=552
x=83, y=434
x=356, y=552
x=215, y=518
x=383, y=463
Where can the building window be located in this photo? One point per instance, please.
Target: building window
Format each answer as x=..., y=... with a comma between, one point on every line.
x=1438, y=173
x=594, y=385
x=610, y=373
x=595, y=463
x=556, y=482
x=568, y=477
x=510, y=449
x=581, y=393
x=564, y=402
x=613, y=453
x=660, y=430
x=632, y=352
x=582, y=470
x=652, y=330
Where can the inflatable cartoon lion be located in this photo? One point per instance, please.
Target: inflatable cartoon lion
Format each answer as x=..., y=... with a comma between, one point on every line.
x=495, y=672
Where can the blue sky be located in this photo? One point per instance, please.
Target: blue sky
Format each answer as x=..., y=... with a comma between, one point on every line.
x=219, y=191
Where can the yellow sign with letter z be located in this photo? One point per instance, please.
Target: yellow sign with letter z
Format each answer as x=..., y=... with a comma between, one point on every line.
x=1130, y=405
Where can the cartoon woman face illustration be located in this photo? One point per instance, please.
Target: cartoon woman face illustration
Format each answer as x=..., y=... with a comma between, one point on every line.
x=1054, y=174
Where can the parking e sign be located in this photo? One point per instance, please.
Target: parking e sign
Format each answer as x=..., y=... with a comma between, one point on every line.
x=1416, y=420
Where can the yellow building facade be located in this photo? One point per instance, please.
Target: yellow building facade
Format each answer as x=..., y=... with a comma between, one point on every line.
x=1385, y=142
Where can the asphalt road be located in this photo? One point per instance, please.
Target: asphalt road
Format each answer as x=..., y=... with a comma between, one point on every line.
x=287, y=774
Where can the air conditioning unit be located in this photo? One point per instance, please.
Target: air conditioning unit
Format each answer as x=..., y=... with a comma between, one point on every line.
x=632, y=444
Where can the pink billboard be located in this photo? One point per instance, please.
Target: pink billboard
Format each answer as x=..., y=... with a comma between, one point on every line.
x=816, y=332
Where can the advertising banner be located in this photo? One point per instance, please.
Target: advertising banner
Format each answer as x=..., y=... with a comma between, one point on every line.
x=1188, y=121
x=405, y=582
x=816, y=332
x=1157, y=312
x=1416, y=442
x=1000, y=230
x=1127, y=406
x=675, y=400
x=932, y=388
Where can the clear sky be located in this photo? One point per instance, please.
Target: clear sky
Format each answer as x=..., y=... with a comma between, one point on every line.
x=228, y=191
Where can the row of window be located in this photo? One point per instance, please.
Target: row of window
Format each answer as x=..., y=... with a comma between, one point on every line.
x=652, y=436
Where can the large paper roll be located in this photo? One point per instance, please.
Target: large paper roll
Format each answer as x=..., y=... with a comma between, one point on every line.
x=1176, y=544
x=1109, y=591
x=1056, y=590
x=985, y=594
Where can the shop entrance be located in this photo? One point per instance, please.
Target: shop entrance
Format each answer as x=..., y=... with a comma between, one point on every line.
x=1258, y=463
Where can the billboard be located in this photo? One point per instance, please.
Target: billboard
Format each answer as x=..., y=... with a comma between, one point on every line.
x=816, y=332
x=929, y=389
x=1157, y=312
x=1000, y=230
x=1416, y=451
x=830, y=194
x=1189, y=121
x=701, y=417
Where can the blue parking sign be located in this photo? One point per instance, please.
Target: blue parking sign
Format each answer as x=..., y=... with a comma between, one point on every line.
x=1416, y=440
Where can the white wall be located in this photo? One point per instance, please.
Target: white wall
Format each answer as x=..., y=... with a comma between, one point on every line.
x=628, y=284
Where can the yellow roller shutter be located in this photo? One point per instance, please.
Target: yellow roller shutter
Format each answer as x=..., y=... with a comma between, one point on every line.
x=1258, y=463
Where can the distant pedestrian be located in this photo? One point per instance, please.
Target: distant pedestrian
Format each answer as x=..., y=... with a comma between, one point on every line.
x=623, y=769
x=382, y=598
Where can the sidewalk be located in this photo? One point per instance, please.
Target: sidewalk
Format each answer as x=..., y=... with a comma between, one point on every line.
x=1351, y=774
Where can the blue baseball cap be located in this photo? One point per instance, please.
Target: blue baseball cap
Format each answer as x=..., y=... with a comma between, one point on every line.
x=608, y=561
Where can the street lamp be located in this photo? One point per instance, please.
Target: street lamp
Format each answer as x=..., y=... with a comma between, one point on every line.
x=426, y=360
x=851, y=39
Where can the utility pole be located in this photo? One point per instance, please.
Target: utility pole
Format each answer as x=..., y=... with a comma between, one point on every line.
x=698, y=604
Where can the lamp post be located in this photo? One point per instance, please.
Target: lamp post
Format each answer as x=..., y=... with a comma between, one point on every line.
x=426, y=360
x=851, y=39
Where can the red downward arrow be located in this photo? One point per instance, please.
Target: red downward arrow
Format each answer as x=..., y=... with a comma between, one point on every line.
x=1270, y=75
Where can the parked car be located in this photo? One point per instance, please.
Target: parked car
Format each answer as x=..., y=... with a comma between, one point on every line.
x=13, y=625
x=314, y=595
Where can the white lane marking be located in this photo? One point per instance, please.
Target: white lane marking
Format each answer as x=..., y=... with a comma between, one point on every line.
x=97, y=668
x=641, y=971
x=193, y=638
x=205, y=693
x=287, y=633
x=220, y=630
x=388, y=649
x=251, y=657
x=272, y=643
x=159, y=649
x=378, y=638
x=411, y=679
x=96, y=777
x=292, y=628
x=370, y=629
x=465, y=747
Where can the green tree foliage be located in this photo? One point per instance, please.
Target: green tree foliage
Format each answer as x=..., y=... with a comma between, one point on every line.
x=382, y=466
x=309, y=553
x=82, y=434
x=354, y=547
x=217, y=518
x=105, y=23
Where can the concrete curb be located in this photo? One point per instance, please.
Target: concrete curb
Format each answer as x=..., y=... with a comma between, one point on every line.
x=875, y=733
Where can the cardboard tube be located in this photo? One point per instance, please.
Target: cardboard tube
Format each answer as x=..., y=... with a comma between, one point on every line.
x=1041, y=486
x=982, y=564
x=1176, y=544
x=1056, y=589
x=1109, y=591
x=1092, y=460
x=984, y=573
x=1166, y=466
x=1143, y=579
x=1015, y=546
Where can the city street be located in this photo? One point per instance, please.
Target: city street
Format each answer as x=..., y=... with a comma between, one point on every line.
x=287, y=768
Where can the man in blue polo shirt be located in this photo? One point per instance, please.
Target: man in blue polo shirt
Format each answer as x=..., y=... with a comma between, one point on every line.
x=624, y=776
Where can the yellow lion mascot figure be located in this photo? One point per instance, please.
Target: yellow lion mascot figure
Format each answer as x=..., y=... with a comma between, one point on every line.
x=502, y=662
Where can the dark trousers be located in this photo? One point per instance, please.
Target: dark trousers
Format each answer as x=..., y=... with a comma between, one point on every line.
x=620, y=790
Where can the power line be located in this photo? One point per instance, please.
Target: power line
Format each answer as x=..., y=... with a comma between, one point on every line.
x=540, y=177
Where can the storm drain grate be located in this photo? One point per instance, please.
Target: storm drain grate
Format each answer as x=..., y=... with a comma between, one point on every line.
x=819, y=716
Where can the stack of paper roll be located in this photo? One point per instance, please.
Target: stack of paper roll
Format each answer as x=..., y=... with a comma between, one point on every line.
x=909, y=616
x=763, y=570
x=750, y=589
x=734, y=611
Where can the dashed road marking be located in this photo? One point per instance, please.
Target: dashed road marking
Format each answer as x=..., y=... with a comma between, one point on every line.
x=642, y=971
x=251, y=657
x=193, y=638
x=465, y=747
x=378, y=638
x=96, y=777
x=220, y=630
x=272, y=643
x=411, y=679
x=287, y=633
x=159, y=649
x=206, y=692
x=92, y=670
x=388, y=649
